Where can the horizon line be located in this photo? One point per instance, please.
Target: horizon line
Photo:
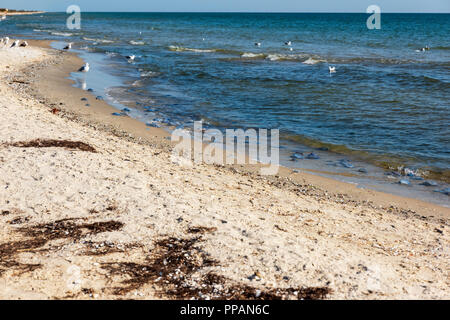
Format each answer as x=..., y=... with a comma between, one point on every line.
x=275, y=12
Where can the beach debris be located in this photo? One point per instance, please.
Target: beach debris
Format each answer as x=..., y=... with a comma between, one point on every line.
x=404, y=182
x=87, y=105
x=255, y=276
x=201, y=230
x=153, y=124
x=68, y=46
x=362, y=170
x=149, y=109
x=50, y=143
x=393, y=174
x=90, y=90
x=41, y=234
x=98, y=98
x=55, y=110
x=126, y=110
x=118, y=114
x=177, y=265
x=332, y=69
x=346, y=163
x=312, y=156
x=323, y=149
x=24, y=44
x=429, y=183
x=445, y=191
x=84, y=68
x=84, y=99
x=297, y=156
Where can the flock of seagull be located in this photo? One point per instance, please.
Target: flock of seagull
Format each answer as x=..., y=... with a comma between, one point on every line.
x=86, y=67
x=331, y=69
x=4, y=42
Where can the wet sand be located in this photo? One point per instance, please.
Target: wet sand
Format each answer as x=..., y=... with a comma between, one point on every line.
x=121, y=220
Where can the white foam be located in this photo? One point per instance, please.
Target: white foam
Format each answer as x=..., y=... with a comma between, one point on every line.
x=98, y=40
x=252, y=55
x=137, y=43
x=311, y=61
x=181, y=49
x=62, y=34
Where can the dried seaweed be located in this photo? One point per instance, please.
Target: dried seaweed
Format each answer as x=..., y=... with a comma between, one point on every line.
x=106, y=247
x=174, y=267
x=48, y=143
x=201, y=230
x=41, y=234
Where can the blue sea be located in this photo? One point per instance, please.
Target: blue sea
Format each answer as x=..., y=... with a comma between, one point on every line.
x=386, y=111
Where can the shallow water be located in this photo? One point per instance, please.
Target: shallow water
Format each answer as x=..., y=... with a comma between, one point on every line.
x=387, y=105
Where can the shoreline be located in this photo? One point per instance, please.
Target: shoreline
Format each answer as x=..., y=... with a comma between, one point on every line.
x=22, y=13
x=330, y=165
x=253, y=227
x=100, y=113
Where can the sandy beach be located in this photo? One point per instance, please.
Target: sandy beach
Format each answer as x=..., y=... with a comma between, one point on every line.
x=92, y=207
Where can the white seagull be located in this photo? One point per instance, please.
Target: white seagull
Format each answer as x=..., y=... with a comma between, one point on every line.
x=84, y=68
x=288, y=43
x=68, y=47
x=15, y=43
x=24, y=44
x=332, y=69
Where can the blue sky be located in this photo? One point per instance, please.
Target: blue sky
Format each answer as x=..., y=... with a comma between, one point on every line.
x=234, y=5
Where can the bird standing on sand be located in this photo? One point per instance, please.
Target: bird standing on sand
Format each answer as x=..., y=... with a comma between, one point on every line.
x=24, y=44
x=68, y=47
x=84, y=68
x=6, y=41
x=332, y=69
x=15, y=43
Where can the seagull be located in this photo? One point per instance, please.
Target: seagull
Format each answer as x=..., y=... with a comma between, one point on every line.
x=131, y=58
x=24, y=44
x=15, y=43
x=68, y=47
x=84, y=68
x=288, y=43
x=258, y=44
x=332, y=69
x=6, y=41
